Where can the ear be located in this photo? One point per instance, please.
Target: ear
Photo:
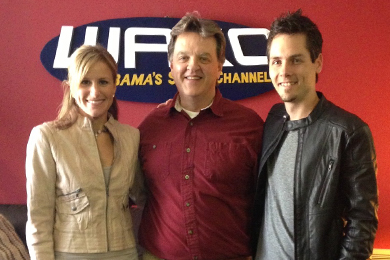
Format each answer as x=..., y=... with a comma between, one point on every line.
x=319, y=62
x=66, y=86
x=220, y=65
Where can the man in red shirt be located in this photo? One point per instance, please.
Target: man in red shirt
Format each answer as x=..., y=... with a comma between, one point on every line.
x=199, y=156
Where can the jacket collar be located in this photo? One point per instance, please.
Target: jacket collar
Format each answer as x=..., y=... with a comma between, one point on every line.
x=313, y=116
x=85, y=123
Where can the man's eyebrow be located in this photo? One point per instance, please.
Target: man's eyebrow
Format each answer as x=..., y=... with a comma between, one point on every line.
x=181, y=53
x=204, y=53
x=289, y=57
x=296, y=56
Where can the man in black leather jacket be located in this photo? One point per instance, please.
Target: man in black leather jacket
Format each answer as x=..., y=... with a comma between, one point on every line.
x=317, y=194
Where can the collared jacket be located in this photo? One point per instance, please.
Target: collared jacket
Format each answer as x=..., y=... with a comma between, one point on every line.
x=70, y=209
x=335, y=189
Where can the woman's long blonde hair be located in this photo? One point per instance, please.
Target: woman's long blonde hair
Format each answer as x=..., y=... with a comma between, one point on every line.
x=80, y=62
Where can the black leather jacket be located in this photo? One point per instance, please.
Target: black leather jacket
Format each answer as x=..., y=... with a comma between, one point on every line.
x=335, y=189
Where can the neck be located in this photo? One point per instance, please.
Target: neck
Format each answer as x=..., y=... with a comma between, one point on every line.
x=98, y=123
x=195, y=104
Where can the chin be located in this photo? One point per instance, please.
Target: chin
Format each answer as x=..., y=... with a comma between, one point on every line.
x=287, y=98
x=94, y=115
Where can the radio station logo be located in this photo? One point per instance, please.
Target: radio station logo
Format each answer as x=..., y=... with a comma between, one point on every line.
x=139, y=45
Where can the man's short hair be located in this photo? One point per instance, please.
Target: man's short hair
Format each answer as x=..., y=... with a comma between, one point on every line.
x=296, y=23
x=192, y=22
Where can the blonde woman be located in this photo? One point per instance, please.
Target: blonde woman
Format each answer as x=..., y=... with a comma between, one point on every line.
x=82, y=168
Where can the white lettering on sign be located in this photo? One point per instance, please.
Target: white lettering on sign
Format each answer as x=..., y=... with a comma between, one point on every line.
x=113, y=42
x=233, y=35
x=61, y=59
x=131, y=47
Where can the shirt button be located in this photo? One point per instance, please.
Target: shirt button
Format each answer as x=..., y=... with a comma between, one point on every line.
x=154, y=146
x=74, y=208
x=195, y=258
x=190, y=232
x=188, y=204
x=186, y=177
x=188, y=150
x=191, y=124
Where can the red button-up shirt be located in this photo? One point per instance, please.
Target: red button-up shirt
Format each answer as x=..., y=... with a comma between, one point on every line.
x=201, y=174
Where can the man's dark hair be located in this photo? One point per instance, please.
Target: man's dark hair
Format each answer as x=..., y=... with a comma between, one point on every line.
x=296, y=23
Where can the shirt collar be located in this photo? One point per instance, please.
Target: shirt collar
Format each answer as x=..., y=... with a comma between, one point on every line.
x=191, y=114
x=216, y=106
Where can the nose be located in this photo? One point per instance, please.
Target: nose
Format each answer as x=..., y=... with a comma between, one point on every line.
x=94, y=90
x=192, y=64
x=285, y=69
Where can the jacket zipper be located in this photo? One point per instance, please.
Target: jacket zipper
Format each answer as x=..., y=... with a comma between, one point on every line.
x=107, y=197
x=325, y=182
x=297, y=190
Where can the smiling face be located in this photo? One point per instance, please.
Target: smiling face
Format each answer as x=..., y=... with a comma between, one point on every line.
x=195, y=69
x=292, y=72
x=94, y=95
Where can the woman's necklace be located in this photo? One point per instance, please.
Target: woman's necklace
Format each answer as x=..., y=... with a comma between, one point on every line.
x=103, y=130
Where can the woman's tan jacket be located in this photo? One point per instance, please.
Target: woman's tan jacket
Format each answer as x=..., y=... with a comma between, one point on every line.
x=69, y=207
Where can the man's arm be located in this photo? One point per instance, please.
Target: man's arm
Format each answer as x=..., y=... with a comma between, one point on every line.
x=359, y=186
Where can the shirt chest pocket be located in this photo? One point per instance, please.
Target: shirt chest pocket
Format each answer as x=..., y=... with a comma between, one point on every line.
x=229, y=162
x=155, y=160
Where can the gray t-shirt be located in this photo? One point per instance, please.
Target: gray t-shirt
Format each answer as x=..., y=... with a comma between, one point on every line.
x=276, y=239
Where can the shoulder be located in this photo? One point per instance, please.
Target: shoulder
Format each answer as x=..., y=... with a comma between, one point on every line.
x=278, y=109
x=342, y=118
x=43, y=130
x=124, y=130
x=42, y=137
x=277, y=112
x=124, y=127
x=156, y=115
x=231, y=108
